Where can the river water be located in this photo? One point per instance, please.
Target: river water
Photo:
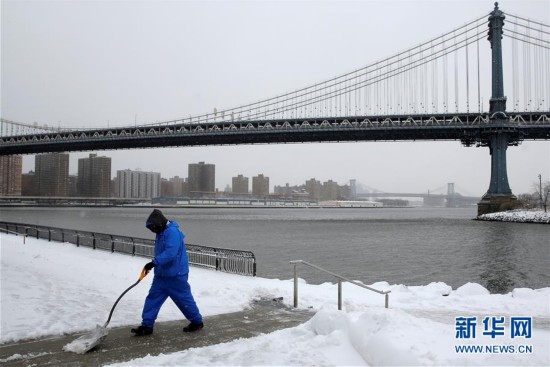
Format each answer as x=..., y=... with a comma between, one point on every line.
x=412, y=246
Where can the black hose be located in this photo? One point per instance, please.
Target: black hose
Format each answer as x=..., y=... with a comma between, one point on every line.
x=143, y=274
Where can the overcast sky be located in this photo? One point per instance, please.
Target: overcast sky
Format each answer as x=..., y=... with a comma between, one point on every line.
x=100, y=63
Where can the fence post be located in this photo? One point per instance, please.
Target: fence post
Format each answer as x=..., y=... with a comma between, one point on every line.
x=93, y=240
x=387, y=300
x=295, y=285
x=77, y=239
x=112, y=243
x=339, y=295
x=49, y=235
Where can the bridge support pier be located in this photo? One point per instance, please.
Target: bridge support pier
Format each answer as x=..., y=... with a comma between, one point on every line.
x=499, y=197
x=496, y=203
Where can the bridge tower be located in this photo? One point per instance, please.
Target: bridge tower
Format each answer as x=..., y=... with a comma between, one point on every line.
x=450, y=189
x=498, y=136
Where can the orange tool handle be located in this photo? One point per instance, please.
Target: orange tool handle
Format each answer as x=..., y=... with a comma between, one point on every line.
x=143, y=274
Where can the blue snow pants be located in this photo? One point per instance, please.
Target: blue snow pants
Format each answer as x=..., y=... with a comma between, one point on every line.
x=178, y=289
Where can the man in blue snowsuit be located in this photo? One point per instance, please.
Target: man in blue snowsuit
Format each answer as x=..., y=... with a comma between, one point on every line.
x=171, y=272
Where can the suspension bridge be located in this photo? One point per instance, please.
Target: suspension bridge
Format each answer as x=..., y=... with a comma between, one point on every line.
x=438, y=90
x=442, y=196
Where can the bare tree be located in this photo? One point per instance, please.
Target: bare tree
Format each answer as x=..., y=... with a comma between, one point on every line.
x=528, y=201
x=545, y=195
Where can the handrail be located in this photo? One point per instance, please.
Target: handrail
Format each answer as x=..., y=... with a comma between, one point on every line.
x=7, y=231
x=339, y=277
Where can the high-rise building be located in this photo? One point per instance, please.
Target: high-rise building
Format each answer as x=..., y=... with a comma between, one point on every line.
x=28, y=184
x=202, y=179
x=174, y=187
x=344, y=192
x=52, y=174
x=313, y=187
x=329, y=190
x=73, y=182
x=10, y=174
x=239, y=185
x=94, y=176
x=137, y=184
x=260, y=186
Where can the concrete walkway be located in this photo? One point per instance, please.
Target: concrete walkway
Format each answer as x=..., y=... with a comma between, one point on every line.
x=120, y=345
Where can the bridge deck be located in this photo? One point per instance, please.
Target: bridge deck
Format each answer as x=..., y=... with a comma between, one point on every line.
x=469, y=128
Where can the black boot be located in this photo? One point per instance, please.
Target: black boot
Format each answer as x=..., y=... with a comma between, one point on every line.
x=142, y=330
x=192, y=327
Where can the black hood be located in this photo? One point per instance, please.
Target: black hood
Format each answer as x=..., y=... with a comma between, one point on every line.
x=157, y=219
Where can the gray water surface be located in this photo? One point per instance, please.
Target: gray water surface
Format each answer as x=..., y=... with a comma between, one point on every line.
x=412, y=246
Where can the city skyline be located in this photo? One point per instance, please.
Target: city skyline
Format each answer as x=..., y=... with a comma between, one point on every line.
x=260, y=176
x=88, y=63
x=271, y=186
x=51, y=178
x=281, y=182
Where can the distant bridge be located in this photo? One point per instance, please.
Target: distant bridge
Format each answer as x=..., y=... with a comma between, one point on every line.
x=450, y=201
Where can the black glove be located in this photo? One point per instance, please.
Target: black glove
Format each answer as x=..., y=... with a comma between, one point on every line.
x=149, y=266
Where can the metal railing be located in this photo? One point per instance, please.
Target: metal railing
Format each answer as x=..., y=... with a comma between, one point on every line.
x=7, y=231
x=340, y=279
x=221, y=259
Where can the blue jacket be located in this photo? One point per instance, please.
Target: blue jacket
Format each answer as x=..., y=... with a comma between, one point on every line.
x=170, y=254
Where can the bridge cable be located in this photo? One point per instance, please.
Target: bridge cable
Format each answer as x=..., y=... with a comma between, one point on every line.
x=242, y=109
x=467, y=79
x=515, y=76
x=379, y=77
x=478, y=80
x=531, y=35
x=412, y=61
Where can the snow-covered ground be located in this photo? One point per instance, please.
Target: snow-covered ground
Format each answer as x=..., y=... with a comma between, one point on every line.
x=522, y=216
x=53, y=288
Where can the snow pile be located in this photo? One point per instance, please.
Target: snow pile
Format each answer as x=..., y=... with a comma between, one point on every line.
x=87, y=341
x=53, y=289
x=374, y=337
x=522, y=216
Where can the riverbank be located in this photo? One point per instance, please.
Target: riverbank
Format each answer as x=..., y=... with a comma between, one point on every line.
x=49, y=286
x=519, y=216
